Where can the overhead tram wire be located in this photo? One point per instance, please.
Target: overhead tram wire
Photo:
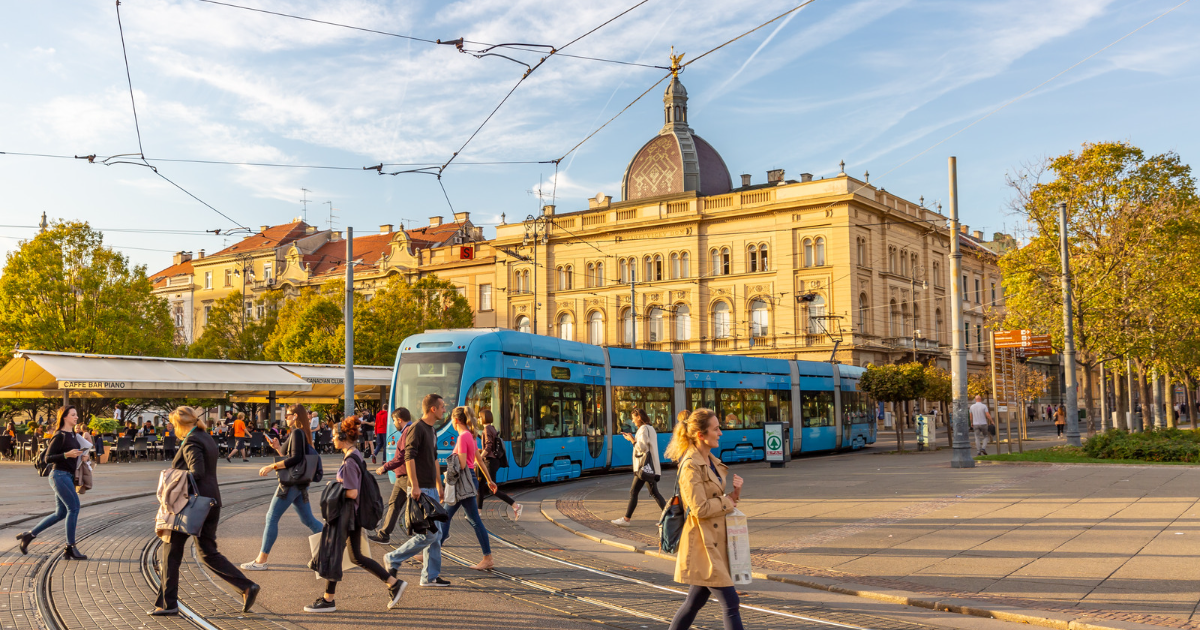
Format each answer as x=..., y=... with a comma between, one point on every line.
x=129, y=81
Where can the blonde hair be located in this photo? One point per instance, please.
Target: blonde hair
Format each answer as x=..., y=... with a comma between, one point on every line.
x=241, y=415
x=466, y=416
x=683, y=438
x=187, y=417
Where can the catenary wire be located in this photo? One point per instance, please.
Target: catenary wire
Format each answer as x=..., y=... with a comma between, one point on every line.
x=129, y=80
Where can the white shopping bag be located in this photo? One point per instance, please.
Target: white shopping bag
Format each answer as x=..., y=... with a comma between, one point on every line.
x=737, y=534
x=314, y=543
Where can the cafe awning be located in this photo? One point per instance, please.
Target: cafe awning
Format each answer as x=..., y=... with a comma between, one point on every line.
x=328, y=384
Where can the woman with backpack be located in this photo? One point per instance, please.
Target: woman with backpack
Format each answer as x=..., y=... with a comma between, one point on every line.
x=299, y=443
x=465, y=483
x=62, y=456
x=703, y=559
x=345, y=506
x=646, y=468
x=495, y=458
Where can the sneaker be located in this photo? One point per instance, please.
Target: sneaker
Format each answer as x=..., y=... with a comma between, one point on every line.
x=517, y=509
x=376, y=538
x=435, y=582
x=254, y=566
x=395, y=591
x=620, y=522
x=321, y=605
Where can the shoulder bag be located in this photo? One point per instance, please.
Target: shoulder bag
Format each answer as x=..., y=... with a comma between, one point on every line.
x=301, y=474
x=670, y=524
x=190, y=519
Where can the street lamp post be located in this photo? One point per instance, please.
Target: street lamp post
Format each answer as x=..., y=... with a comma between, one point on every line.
x=246, y=269
x=961, y=457
x=1071, y=393
x=536, y=228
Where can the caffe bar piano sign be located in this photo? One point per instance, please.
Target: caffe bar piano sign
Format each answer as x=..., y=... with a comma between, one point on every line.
x=94, y=384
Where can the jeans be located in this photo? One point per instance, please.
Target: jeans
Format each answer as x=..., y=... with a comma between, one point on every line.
x=206, y=544
x=636, y=489
x=472, y=509
x=380, y=444
x=1060, y=428
x=279, y=505
x=698, y=596
x=981, y=437
x=429, y=545
x=66, y=501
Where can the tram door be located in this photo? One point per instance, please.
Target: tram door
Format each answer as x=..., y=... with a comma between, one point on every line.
x=595, y=417
x=520, y=428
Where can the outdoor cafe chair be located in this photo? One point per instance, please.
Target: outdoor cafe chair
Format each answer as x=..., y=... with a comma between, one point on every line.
x=124, y=445
x=168, y=446
x=6, y=446
x=257, y=443
x=141, y=448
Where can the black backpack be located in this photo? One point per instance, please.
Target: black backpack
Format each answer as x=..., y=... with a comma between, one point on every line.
x=370, y=500
x=39, y=462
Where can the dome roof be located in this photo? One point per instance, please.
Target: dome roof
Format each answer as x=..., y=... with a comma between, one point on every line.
x=676, y=160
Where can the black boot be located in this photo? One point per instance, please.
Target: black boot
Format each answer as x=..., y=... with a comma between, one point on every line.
x=25, y=539
x=71, y=553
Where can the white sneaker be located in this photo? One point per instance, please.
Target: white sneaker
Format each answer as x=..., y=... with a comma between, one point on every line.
x=254, y=566
x=620, y=522
x=517, y=509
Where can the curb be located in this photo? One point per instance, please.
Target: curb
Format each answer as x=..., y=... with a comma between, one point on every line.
x=1030, y=616
x=140, y=495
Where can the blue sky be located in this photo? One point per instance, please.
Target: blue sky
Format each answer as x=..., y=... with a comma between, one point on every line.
x=871, y=82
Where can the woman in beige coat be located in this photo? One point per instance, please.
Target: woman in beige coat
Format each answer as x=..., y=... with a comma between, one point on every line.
x=703, y=560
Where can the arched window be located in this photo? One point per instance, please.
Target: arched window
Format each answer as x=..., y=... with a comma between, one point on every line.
x=590, y=276
x=904, y=321
x=820, y=251
x=525, y=281
x=903, y=263
x=654, y=325
x=648, y=267
x=599, y=274
x=675, y=266
x=722, y=327
x=966, y=336
x=683, y=323
x=658, y=268
x=522, y=324
x=864, y=313
x=566, y=327
x=596, y=328
x=937, y=275
x=725, y=261
x=937, y=325
x=627, y=325
x=623, y=269
x=808, y=252
x=915, y=262
x=752, y=258
x=892, y=259
x=893, y=315
x=760, y=319
x=684, y=262
x=862, y=253
x=570, y=277
x=715, y=255
x=816, y=310
x=762, y=257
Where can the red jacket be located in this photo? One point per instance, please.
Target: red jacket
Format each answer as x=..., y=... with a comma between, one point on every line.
x=381, y=422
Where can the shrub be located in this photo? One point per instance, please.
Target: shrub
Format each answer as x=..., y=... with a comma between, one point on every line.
x=1158, y=445
x=103, y=426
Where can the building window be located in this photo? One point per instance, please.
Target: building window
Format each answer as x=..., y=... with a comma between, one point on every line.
x=522, y=324
x=916, y=262
x=206, y=310
x=179, y=316
x=685, y=262
x=249, y=309
x=979, y=337
x=762, y=257
x=654, y=327
x=937, y=275
x=589, y=276
x=993, y=294
x=722, y=327
x=599, y=274
x=561, y=272
x=816, y=313
x=267, y=273
x=966, y=295
x=259, y=311
x=903, y=263
x=462, y=291
x=485, y=297
x=808, y=252
x=862, y=252
x=596, y=328
x=966, y=336
x=864, y=313
x=228, y=277
x=752, y=258
x=566, y=327
x=627, y=326
x=904, y=319
x=674, y=266
x=654, y=268
x=760, y=319
x=521, y=281
x=207, y=279
x=937, y=325
x=820, y=251
x=720, y=262
x=893, y=315
x=978, y=292
x=683, y=323
x=892, y=259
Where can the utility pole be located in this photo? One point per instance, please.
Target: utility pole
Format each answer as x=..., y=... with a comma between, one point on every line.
x=961, y=457
x=349, y=315
x=1069, y=376
x=633, y=306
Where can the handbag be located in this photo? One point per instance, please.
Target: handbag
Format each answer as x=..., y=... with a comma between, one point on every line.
x=301, y=474
x=190, y=519
x=991, y=429
x=670, y=524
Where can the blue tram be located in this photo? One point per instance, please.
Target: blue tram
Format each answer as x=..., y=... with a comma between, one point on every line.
x=561, y=405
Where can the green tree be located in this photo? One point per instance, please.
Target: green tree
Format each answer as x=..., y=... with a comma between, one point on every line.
x=64, y=290
x=897, y=384
x=311, y=328
x=401, y=309
x=939, y=390
x=230, y=334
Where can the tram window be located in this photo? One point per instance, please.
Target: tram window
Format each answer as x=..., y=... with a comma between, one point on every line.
x=655, y=401
x=484, y=394
x=549, y=410
x=779, y=405
x=422, y=373
x=817, y=409
x=731, y=409
x=572, y=410
x=754, y=408
x=705, y=398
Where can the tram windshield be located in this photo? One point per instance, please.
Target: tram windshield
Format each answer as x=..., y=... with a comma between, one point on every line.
x=429, y=373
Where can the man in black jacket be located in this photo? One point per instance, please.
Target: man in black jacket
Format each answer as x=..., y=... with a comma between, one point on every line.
x=420, y=455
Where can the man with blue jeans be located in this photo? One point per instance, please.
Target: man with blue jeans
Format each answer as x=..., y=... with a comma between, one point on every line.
x=420, y=454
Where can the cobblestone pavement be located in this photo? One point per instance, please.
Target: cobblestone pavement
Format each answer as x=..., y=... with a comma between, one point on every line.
x=1117, y=543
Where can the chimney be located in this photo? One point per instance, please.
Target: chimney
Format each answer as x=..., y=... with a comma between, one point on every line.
x=200, y=255
x=745, y=179
x=775, y=176
x=978, y=235
x=263, y=228
x=312, y=229
x=386, y=228
x=181, y=257
x=336, y=235
x=460, y=217
x=476, y=233
x=548, y=210
x=435, y=221
x=962, y=227
x=806, y=177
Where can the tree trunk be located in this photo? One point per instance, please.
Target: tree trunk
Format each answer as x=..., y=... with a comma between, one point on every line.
x=898, y=422
x=1169, y=399
x=1189, y=400
x=1087, y=398
x=1146, y=404
x=947, y=420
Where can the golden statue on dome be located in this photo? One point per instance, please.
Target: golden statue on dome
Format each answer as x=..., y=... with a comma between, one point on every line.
x=675, y=59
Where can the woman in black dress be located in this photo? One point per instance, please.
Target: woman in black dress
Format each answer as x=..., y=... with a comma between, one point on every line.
x=63, y=455
x=197, y=454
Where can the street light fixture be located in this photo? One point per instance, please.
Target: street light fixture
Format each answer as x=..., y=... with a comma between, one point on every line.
x=536, y=229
